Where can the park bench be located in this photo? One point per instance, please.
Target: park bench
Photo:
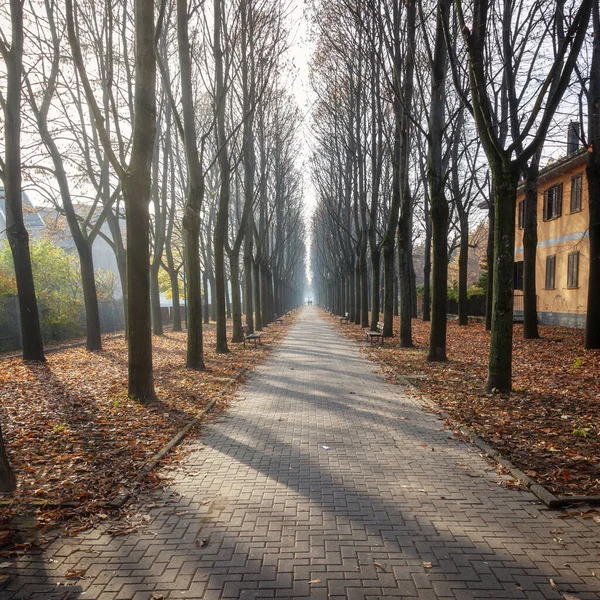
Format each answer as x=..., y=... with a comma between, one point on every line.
x=250, y=336
x=279, y=319
x=373, y=336
x=345, y=318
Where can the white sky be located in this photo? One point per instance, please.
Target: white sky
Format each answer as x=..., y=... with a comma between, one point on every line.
x=300, y=51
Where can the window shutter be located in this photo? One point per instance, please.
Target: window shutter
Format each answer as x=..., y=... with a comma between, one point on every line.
x=573, y=270
x=559, y=200
x=550, y=264
x=545, y=205
x=522, y=214
x=576, y=188
x=570, y=271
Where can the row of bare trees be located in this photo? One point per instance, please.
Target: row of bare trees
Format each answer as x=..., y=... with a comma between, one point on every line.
x=172, y=118
x=426, y=112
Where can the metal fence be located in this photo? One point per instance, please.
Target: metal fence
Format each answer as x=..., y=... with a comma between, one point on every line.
x=111, y=319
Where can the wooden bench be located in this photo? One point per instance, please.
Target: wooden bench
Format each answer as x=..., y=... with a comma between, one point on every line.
x=250, y=336
x=345, y=318
x=373, y=336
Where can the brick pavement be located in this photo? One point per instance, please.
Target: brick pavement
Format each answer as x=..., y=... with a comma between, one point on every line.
x=325, y=482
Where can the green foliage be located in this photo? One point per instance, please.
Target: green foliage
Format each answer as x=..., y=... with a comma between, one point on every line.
x=57, y=279
x=475, y=292
x=58, y=288
x=578, y=363
x=105, y=284
x=8, y=285
x=164, y=284
x=482, y=282
x=453, y=291
x=583, y=432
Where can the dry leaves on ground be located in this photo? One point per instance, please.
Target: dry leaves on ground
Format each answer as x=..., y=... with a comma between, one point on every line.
x=75, y=439
x=549, y=426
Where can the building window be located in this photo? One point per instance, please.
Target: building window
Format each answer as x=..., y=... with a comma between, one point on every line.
x=573, y=270
x=522, y=214
x=553, y=202
x=576, y=185
x=550, y=270
x=518, y=278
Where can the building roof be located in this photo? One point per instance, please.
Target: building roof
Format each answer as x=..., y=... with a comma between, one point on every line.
x=558, y=167
x=31, y=217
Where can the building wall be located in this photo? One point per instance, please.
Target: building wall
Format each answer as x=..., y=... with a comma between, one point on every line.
x=560, y=236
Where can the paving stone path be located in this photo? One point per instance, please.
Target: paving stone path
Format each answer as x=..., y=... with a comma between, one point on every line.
x=325, y=482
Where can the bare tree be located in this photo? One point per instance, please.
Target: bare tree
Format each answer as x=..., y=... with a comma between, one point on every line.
x=592, y=324
x=77, y=227
x=10, y=171
x=135, y=182
x=506, y=163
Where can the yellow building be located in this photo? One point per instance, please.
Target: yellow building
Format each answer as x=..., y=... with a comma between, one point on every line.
x=563, y=249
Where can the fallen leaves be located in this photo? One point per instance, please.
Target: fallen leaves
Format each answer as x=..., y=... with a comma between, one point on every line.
x=75, y=439
x=549, y=426
x=78, y=574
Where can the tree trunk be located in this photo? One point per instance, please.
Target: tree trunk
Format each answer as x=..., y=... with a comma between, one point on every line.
x=258, y=321
x=205, y=287
x=413, y=284
x=364, y=287
x=530, y=240
x=439, y=221
x=236, y=299
x=90, y=299
x=248, y=303
x=351, y=292
x=18, y=238
x=427, y=266
x=506, y=178
x=463, y=263
x=174, y=277
x=592, y=324
x=191, y=244
x=439, y=205
x=193, y=203
x=388, y=291
x=136, y=192
x=396, y=293
x=213, y=301
x=8, y=482
x=376, y=274
x=228, y=299
x=489, y=252
x=220, y=233
x=404, y=243
x=264, y=297
x=114, y=226
x=157, y=326
x=357, y=295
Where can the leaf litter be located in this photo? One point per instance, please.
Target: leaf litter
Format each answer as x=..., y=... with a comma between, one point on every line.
x=76, y=441
x=549, y=426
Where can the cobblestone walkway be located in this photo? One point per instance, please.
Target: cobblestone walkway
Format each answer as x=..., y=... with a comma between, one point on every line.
x=325, y=482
